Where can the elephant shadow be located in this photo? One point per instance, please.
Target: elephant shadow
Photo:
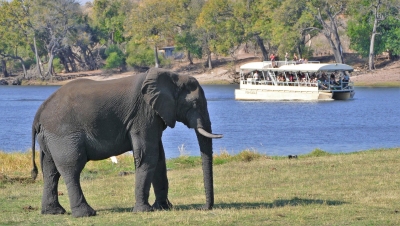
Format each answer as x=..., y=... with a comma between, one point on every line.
x=275, y=204
x=255, y=205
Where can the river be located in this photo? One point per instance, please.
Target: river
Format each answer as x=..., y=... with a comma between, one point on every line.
x=370, y=120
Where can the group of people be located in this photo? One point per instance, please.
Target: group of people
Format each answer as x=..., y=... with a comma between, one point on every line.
x=322, y=80
x=272, y=58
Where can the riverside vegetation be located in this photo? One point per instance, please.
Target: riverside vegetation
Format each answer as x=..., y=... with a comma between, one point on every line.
x=319, y=188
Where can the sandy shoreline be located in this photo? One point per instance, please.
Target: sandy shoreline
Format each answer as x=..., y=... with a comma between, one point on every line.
x=387, y=76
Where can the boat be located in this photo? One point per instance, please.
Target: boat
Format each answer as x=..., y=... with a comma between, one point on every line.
x=289, y=80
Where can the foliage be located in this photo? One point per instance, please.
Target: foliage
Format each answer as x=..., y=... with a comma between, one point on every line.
x=76, y=34
x=115, y=57
x=58, y=67
x=360, y=27
x=139, y=55
x=109, y=17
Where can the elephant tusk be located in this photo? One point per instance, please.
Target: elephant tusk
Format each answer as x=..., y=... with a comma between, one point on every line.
x=209, y=135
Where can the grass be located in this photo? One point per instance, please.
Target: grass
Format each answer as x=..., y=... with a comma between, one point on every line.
x=319, y=188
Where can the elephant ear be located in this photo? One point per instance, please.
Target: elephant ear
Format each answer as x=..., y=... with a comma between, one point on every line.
x=160, y=91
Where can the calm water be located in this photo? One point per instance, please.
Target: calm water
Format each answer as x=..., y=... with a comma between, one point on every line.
x=371, y=120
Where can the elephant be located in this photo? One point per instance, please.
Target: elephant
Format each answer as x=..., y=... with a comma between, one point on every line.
x=88, y=120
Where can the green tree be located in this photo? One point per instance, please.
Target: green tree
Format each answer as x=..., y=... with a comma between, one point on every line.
x=139, y=55
x=184, y=16
x=115, y=57
x=222, y=31
x=149, y=23
x=288, y=33
x=13, y=28
x=108, y=16
x=55, y=22
x=373, y=27
x=327, y=14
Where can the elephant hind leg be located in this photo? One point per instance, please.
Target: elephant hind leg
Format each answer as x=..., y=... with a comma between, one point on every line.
x=70, y=170
x=51, y=176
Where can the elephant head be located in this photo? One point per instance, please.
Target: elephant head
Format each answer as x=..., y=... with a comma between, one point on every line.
x=181, y=98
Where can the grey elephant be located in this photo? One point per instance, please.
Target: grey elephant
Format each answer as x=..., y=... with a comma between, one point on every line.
x=90, y=120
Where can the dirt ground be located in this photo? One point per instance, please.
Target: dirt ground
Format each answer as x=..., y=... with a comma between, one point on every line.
x=224, y=72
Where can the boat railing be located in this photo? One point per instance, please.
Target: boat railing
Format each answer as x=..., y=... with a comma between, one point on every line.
x=339, y=86
x=289, y=62
x=321, y=85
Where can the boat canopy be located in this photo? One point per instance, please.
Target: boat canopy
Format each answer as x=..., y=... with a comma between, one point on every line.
x=306, y=67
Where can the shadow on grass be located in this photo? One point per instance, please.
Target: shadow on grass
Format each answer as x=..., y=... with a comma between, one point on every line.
x=276, y=204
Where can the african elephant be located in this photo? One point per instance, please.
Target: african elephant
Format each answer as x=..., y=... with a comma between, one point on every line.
x=93, y=120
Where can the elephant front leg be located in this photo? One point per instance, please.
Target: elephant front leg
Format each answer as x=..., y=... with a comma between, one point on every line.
x=160, y=183
x=143, y=176
x=51, y=176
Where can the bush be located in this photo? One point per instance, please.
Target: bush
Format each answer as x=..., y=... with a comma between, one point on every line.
x=115, y=57
x=139, y=55
x=114, y=61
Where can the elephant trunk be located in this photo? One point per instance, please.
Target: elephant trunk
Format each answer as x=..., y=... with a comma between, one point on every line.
x=205, y=144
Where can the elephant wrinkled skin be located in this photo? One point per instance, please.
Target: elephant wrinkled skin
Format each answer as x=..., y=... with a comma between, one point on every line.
x=90, y=120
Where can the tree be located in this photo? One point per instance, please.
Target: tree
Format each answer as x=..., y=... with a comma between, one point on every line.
x=54, y=21
x=288, y=33
x=184, y=19
x=373, y=18
x=149, y=23
x=109, y=16
x=327, y=13
x=222, y=31
x=13, y=28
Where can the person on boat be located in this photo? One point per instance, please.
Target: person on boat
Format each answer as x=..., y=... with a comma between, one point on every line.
x=286, y=57
x=295, y=58
x=346, y=78
x=333, y=80
x=255, y=75
x=272, y=58
x=321, y=82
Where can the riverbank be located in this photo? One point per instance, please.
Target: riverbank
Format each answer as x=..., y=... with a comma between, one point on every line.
x=225, y=72
x=359, y=188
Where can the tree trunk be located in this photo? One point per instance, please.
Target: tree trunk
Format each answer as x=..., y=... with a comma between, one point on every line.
x=157, y=62
x=4, y=66
x=209, y=61
x=50, y=67
x=371, y=64
x=39, y=70
x=264, y=51
x=189, y=57
x=23, y=65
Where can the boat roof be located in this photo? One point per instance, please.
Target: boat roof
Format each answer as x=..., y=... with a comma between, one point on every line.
x=306, y=67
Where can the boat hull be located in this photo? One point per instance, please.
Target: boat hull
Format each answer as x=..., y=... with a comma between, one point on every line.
x=255, y=94
x=343, y=95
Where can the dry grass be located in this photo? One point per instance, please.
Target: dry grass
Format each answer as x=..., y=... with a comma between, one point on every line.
x=250, y=189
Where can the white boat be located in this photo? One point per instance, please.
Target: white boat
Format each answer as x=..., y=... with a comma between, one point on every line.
x=280, y=80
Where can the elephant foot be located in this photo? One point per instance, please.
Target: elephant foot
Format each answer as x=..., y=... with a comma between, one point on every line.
x=162, y=205
x=57, y=209
x=142, y=208
x=84, y=210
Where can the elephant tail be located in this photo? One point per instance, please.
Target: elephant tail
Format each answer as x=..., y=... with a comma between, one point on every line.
x=34, y=171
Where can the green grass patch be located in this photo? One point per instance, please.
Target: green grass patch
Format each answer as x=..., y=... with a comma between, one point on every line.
x=319, y=188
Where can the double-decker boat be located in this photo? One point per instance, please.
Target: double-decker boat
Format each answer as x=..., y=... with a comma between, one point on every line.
x=281, y=80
